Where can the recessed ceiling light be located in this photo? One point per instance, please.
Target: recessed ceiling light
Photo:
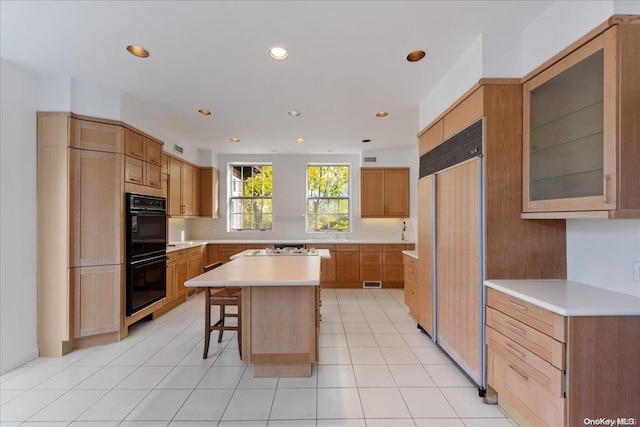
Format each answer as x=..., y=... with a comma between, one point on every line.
x=382, y=114
x=234, y=140
x=294, y=113
x=300, y=140
x=204, y=112
x=366, y=140
x=278, y=53
x=138, y=51
x=416, y=55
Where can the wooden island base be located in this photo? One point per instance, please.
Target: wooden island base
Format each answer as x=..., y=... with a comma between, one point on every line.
x=279, y=330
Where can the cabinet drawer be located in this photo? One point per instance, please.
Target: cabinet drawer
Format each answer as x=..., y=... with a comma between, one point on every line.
x=373, y=248
x=537, y=404
x=346, y=248
x=543, y=320
x=392, y=258
x=393, y=248
x=410, y=262
x=393, y=273
x=176, y=255
x=537, y=369
x=533, y=340
x=371, y=258
x=194, y=251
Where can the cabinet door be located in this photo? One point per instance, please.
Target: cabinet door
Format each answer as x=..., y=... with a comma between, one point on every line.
x=396, y=193
x=96, y=299
x=347, y=266
x=458, y=270
x=96, y=136
x=190, y=190
x=372, y=202
x=194, y=266
x=570, y=132
x=134, y=145
x=134, y=170
x=153, y=153
x=328, y=268
x=97, y=212
x=153, y=175
x=213, y=253
x=426, y=253
x=209, y=180
x=180, y=275
x=171, y=274
x=175, y=188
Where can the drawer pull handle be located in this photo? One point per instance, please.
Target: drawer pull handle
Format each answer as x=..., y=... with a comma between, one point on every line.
x=520, y=306
x=516, y=328
x=524, y=377
x=515, y=351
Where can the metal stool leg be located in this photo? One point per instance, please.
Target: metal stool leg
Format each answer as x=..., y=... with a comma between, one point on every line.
x=207, y=321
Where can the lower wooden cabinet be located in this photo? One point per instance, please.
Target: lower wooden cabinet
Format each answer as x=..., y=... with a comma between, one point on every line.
x=96, y=299
x=411, y=295
x=348, y=266
x=195, y=261
x=545, y=369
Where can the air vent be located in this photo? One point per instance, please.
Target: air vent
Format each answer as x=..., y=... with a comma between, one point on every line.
x=178, y=149
x=372, y=284
x=370, y=159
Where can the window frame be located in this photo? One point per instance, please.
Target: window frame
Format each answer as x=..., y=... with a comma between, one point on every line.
x=348, y=198
x=231, y=197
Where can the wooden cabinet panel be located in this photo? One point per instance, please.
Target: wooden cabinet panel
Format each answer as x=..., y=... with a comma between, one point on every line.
x=426, y=253
x=431, y=138
x=458, y=267
x=134, y=170
x=209, y=182
x=171, y=272
x=371, y=272
x=347, y=247
x=153, y=153
x=327, y=266
x=180, y=275
x=464, y=114
x=134, y=144
x=370, y=258
x=384, y=192
x=213, y=253
x=96, y=299
x=411, y=290
x=153, y=175
x=194, y=260
x=347, y=266
x=396, y=186
x=96, y=136
x=175, y=187
x=372, y=187
x=226, y=250
x=190, y=190
x=97, y=212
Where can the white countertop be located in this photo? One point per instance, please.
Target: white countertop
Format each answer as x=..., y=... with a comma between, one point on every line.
x=569, y=298
x=262, y=271
x=178, y=246
x=412, y=254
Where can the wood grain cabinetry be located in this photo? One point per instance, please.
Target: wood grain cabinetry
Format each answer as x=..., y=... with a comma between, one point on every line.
x=384, y=193
x=552, y=370
x=209, y=182
x=348, y=264
x=392, y=265
x=227, y=250
x=184, y=189
x=370, y=262
x=581, y=143
x=195, y=261
x=327, y=265
x=411, y=292
x=180, y=261
x=143, y=160
x=80, y=232
x=469, y=211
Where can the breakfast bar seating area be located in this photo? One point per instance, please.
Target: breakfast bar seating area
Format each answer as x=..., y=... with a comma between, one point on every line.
x=279, y=312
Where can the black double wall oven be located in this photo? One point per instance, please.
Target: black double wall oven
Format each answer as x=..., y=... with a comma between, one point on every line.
x=146, y=250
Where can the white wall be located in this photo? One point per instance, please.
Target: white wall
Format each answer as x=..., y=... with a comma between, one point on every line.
x=18, y=217
x=289, y=199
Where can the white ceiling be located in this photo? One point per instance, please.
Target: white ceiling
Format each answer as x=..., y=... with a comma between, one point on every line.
x=346, y=62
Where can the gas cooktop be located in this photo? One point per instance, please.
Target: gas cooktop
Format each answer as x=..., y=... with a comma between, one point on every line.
x=283, y=251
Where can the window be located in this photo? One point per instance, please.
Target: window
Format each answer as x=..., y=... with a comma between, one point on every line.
x=250, y=197
x=327, y=198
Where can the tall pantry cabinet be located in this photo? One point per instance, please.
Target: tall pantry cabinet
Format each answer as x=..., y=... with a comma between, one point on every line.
x=80, y=232
x=469, y=225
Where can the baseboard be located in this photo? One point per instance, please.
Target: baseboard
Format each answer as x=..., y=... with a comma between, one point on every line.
x=13, y=364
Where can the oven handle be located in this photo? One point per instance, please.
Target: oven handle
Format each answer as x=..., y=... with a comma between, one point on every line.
x=148, y=261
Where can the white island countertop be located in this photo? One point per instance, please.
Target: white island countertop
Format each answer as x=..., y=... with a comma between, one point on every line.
x=569, y=298
x=322, y=253
x=262, y=271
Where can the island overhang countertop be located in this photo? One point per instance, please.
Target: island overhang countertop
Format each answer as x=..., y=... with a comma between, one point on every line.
x=262, y=271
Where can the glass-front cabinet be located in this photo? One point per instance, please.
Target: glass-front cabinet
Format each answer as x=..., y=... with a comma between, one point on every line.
x=582, y=132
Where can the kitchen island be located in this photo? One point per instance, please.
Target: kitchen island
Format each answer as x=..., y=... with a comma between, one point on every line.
x=280, y=297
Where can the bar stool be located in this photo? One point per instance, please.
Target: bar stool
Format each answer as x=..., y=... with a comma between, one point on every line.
x=221, y=297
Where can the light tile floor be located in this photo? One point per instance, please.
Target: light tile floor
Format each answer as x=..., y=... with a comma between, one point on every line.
x=375, y=369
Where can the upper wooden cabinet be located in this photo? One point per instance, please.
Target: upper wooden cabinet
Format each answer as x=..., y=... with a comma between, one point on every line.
x=582, y=133
x=143, y=160
x=384, y=192
x=209, y=181
x=89, y=135
x=184, y=189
